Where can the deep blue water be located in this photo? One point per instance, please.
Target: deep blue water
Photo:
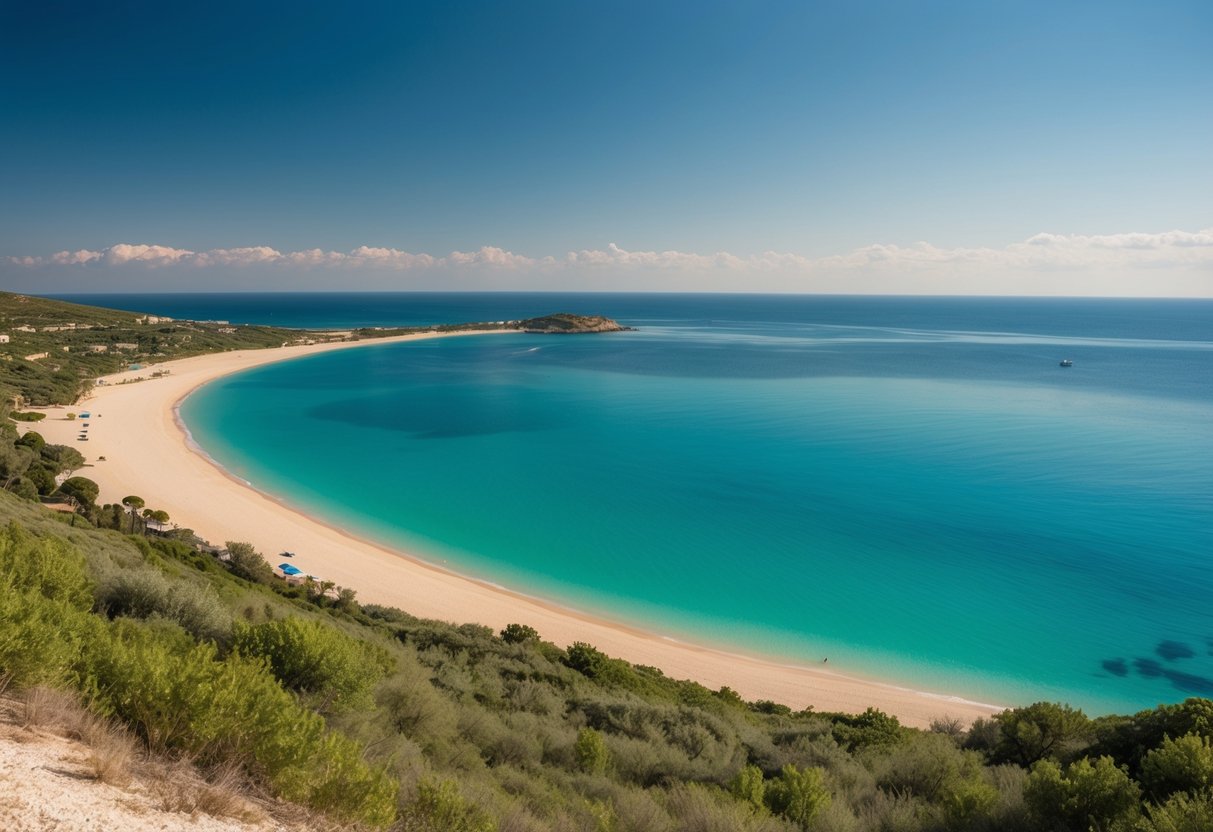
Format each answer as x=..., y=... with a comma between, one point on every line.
x=910, y=486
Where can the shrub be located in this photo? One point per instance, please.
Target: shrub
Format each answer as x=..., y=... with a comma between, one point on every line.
x=1045, y=729
x=49, y=567
x=924, y=766
x=441, y=808
x=145, y=592
x=415, y=708
x=798, y=794
x=40, y=638
x=965, y=802
x=1084, y=796
x=1181, y=813
x=519, y=634
x=749, y=786
x=1182, y=765
x=43, y=597
x=591, y=751
x=233, y=711
x=246, y=562
x=870, y=728
x=334, y=670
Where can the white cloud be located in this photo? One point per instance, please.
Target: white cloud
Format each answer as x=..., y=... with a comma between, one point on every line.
x=489, y=256
x=69, y=258
x=123, y=253
x=237, y=256
x=920, y=266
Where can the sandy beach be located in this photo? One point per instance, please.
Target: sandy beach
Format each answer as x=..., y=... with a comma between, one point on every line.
x=147, y=452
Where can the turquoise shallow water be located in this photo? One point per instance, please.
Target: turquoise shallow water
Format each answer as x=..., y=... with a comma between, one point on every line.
x=917, y=499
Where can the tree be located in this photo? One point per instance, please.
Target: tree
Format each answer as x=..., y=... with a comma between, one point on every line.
x=158, y=516
x=1085, y=796
x=41, y=476
x=14, y=461
x=246, y=562
x=32, y=439
x=82, y=490
x=1044, y=729
x=519, y=634
x=62, y=458
x=1182, y=765
x=133, y=504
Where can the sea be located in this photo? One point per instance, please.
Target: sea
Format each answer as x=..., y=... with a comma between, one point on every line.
x=912, y=488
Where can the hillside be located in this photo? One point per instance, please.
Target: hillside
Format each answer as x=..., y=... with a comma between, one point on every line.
x=373, y=716
x=50, y=350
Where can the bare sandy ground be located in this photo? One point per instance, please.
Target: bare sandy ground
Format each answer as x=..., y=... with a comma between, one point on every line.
x=47, y=785
x=148, y=453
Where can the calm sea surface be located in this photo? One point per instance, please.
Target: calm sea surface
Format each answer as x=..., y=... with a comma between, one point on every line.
x=910, y=486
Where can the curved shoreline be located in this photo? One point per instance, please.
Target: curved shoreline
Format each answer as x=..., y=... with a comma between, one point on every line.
x=148, y=449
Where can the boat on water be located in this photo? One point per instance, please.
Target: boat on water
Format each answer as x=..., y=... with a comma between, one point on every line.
x=1065, y=362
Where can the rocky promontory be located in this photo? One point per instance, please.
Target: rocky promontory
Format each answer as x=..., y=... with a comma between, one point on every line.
x=564, y=323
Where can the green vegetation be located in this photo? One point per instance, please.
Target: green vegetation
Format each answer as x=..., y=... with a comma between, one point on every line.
x=564, y=323
x=381, y=719
x=56, y=349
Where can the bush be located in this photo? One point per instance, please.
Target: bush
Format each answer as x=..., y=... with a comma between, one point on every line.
x=1182, y=765
x=233, y=711
x=415, y=708
x=40, y=638
x=49, y=567
x=1045, y=729
x=591, y=751
x=519, y=634
x=1181, y=813
x=441, y=808
x=749, y=786
x=335, y=671
x=1084, y=796
x=247, y=563
x=798, y=794
x=870, y=728
x=145, y=592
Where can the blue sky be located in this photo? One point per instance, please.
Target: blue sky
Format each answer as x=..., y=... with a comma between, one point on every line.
x=992, y=148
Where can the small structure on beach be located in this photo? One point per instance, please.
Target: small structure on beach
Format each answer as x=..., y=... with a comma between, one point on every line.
x=291, y=574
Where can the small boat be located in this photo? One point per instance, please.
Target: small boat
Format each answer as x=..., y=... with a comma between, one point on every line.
x=1065, y=362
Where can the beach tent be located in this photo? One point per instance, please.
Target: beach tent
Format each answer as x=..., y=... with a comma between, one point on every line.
x=289, y=571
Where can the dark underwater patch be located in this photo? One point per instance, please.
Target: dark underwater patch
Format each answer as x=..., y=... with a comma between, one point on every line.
x=1172, y=650
x=1149, y=668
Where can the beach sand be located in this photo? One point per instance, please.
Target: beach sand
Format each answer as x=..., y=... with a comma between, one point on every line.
x=148, y=453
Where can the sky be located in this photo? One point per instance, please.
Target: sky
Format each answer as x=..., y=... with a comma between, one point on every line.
x=997, y=148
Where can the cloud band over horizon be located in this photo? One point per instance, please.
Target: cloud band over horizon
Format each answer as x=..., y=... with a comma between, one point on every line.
x=1185, y=256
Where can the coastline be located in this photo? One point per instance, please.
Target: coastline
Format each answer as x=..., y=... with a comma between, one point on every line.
x=137, y=428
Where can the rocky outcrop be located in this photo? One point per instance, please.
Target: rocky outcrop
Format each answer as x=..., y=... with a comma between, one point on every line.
x=564, y=323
